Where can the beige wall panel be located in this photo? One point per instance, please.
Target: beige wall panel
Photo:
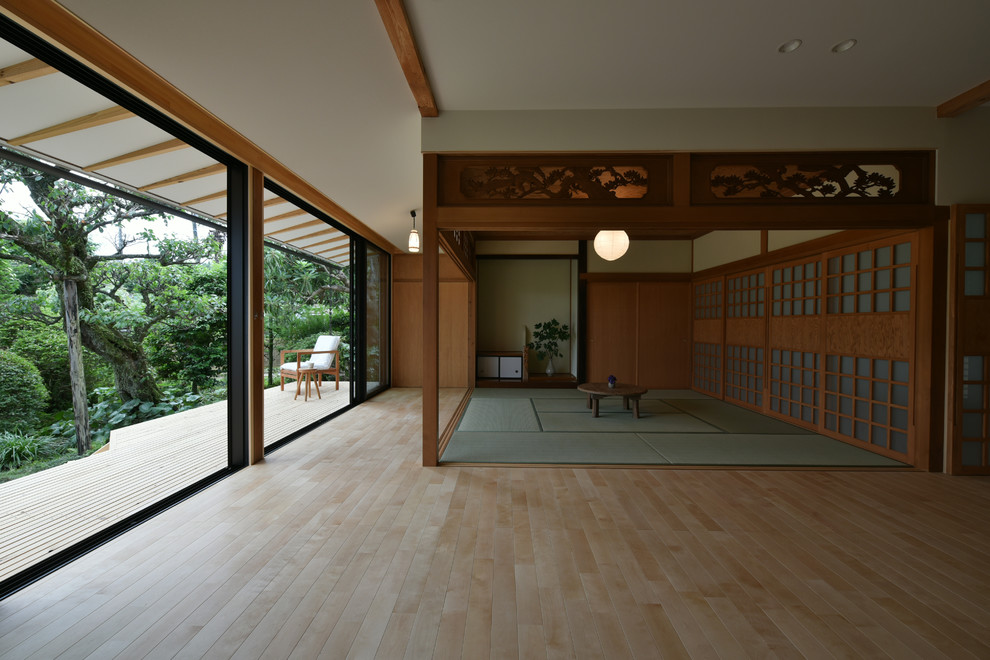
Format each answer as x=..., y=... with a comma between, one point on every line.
x=516, y=294
x=407, y=334
x=723, y=247
x=778, y=238
x=645, y=257
x=407, y=267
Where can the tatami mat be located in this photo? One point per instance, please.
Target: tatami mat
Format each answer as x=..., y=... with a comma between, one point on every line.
x=511, y=415
x=734, y=419
x=623, y=422
x=806, y=449
x=603, y=448
x=613, y=404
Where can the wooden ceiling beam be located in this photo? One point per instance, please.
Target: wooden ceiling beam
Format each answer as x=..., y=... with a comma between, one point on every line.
x=291, y=214
x=115, y=113
x=206, y=198
x=187, y=176
x=966, y=101
x=396, y=22
x=154, y=150
x=26, y=70
x=328, y=241
x=304, y=225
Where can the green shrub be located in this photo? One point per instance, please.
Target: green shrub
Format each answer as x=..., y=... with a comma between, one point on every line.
x=23, y=396
x=16, y=449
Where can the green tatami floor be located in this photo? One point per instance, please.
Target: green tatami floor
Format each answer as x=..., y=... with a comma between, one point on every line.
x=676, y=427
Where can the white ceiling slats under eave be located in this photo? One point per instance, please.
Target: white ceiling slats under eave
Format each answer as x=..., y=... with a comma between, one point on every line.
x=50, y=115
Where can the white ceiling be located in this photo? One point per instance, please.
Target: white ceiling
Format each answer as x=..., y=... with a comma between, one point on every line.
x=316, y=83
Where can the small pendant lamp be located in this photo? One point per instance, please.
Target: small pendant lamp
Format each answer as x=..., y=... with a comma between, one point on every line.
x=413, y=235
x=611, y=244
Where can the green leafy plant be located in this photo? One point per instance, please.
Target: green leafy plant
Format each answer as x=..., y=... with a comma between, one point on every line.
x=17, y=449
x=547, y=337
x=23, y=396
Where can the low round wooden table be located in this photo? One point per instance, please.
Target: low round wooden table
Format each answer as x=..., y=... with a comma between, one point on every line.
x=598, y=391
x=309, y=376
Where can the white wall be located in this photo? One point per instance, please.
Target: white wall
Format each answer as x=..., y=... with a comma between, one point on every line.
x=645, y=257
x=722, y=247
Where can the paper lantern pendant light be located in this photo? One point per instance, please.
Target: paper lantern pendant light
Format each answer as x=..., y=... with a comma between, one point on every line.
x=611, y=244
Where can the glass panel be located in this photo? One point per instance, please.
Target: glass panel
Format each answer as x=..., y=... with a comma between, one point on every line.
x=833, y=285
x=831, y=401
x=881, y=369
x=972, y=425
x=830, y=422
x=972, y=454
x=809, y=270
x=865, y=259
x=883, y=257
x=832, y=306
x=898, y=441
x=776, y=276
x=900, y=371
x=973, y=367
x=862, y=409
x=902, y=301
x=863, y=431
x=376, y=319
x=774, y=405
x=879, y=436
x=879, y=413
x=880, y=391
x=974, y=283
x=976, y=255
x=972, y=396
x=882, y=302
x=848, y=263
x=883, y=279
x=902, y=277
x=845, y=426
x=863, y=367
x=865, y=281
x=832, y=362
x=862, y=388
x=899, y=418
x=848, y=304
x=845, y=405
x=864, y=300
x=787, y=308
x=899, y=395
x=848, y=364
x=787, y=274
x=848, y=283
x=833, y=265
x=976, y=225
x=831, y=383
x=902, y=253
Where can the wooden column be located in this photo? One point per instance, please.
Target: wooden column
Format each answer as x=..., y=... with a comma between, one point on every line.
x=431, y=306
x=256, y=309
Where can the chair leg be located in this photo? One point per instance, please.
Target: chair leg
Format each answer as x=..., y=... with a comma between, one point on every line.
x=282, y=378
x=338, y=379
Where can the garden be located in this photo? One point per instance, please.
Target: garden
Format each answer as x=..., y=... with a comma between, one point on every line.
x=113, y=313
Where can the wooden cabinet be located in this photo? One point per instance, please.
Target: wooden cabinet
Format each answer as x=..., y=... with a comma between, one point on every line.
x=503, y=365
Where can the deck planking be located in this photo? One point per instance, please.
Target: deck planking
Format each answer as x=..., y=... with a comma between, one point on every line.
x=342, y=545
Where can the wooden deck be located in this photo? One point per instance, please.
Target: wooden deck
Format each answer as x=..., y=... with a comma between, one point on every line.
x=342, y=545
x=46, y=512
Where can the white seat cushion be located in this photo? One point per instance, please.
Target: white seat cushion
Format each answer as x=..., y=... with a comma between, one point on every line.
x=324, y=343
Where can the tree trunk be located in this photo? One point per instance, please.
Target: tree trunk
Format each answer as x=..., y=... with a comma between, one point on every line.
x=131, y=372
x=77, y=376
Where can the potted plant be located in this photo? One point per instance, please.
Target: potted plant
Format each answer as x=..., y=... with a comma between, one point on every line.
x=546, y=339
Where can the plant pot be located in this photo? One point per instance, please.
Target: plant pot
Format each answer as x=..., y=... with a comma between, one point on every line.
x=611, y=386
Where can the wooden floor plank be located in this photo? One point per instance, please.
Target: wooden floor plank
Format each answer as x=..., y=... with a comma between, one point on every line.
x=341, y=545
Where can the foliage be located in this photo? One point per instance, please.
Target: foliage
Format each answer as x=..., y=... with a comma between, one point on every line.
x=17, y=449
x=23, y=396
x=107, y=413
x=547, y=337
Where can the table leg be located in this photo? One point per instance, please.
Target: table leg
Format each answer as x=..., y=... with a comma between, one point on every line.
x=636, y=408
x=318, y=395
x=594, y=406
x=589, y=401
x=298, y=386
x=625, y=403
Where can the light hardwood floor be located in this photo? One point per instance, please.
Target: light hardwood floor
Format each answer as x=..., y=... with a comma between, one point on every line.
x=342, y=545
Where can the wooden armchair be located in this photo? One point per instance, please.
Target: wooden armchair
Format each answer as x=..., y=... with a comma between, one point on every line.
x=323, y=356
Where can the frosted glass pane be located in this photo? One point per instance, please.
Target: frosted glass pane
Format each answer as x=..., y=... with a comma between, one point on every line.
x=833, y=285
x=809, y=360
x=863, y=431
x=972, y=425
x=879, y=436
x=899, y=395
x=774, y=405
x=833, y=265
x=832, y=362
x=776, y=309
x=881, y=369
x=902, y=277
x=832, y=306
x=879, y=391
x=902, y=253
x=845, y=426
x=900, y=371
x=809, y=271
x=883, y=279
x=799, y=290
x=976, y=255
x=972, y=396
x=976, y=225
x=845, y=405
x=863, y=367
x=847, y=364
x=848, y=304
x=899, y=418
x=831, y=383
x=865, y=259
x=862, y=409
x=974, y=283
x=807, y=413
x=883, y=257
x=879, y=413
x=902, y=301
x=848, y=283
x=865, y=281
x=848, y=262
x=898, y=441
x=972, y=454
x=830, y=422
x=973, y=367
x=831, y=401
x=863, y=388
x=787, y=274
x=787, y=308
x=882, y=302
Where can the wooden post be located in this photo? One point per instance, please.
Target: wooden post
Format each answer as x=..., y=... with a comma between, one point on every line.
x=77, y=375
x=431, y=307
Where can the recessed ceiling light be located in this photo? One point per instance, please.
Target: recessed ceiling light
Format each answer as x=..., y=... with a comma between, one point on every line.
x=789, y=46
x=843, y=46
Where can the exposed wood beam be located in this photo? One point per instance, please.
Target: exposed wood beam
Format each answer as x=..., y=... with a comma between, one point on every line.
x=291, y=214
x=26, y=70
x=328, y=241
x=206, y=198
x=63, y=28
x=273, y=202
x=115, y=113
x=147, y=152
x=187, y=176
x=965, y=101
x=304, y=225
x=322, y=232
x=396, y=22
